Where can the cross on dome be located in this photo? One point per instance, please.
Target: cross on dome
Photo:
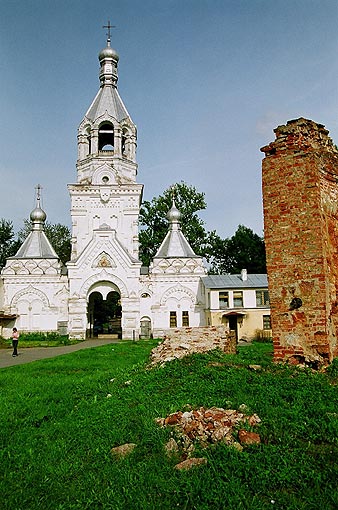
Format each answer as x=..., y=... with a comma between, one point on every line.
x=109, y=26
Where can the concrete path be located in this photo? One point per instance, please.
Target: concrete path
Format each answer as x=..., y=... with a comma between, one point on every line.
x=28, y=354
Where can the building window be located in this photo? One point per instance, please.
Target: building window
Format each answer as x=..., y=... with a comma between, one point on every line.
x=185, y=318
x=238, y=299
x=262, y=298
x=266, y=322
x=223, y=300
x=173, y=320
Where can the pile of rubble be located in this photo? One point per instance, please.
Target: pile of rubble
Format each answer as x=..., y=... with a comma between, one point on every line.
x=208, y=426
x=183, y=341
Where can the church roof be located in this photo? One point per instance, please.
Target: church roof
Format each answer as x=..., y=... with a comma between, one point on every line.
x=107, y=100
x=174, y=243
x=37, y=246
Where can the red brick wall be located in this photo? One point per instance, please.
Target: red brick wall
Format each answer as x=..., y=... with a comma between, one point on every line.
x=300, y=201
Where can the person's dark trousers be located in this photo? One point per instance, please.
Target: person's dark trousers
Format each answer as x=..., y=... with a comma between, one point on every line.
x=15, y=347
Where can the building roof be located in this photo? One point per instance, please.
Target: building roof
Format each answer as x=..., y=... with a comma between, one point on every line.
x=174, y=243
x=107, y=100
x=235, y=281
x=36, y=246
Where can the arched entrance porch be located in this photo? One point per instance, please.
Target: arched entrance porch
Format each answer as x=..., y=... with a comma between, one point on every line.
x=104, y=311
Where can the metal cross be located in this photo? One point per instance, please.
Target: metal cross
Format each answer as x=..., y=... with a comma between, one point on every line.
x=109, y=26
x=38, y=189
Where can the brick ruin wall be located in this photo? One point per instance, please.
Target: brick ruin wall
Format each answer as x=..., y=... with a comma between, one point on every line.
x=179, y=342
x=300, y=202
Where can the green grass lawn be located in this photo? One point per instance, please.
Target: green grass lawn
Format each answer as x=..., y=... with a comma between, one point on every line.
x=60, y=418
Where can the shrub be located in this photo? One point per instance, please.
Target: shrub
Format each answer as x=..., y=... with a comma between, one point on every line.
x=332, y=369
x=40, y=336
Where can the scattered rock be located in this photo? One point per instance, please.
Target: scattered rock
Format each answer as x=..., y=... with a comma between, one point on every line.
x=248, y=438
x=123, y=450
x=255, y=367
x=189, y=463
x=171, y=447
x=208, y=426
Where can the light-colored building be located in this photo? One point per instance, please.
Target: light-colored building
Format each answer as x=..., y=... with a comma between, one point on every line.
x=241, y=302
x=104, y=289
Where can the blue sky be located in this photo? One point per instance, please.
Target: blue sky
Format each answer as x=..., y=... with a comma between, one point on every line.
x=205, y=81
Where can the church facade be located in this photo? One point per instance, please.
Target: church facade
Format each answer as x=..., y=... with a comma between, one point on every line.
x=104, y=289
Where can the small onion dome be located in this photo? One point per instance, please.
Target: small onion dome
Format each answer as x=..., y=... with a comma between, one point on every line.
x=38, y=215
x=108, y=52
x=174, y=214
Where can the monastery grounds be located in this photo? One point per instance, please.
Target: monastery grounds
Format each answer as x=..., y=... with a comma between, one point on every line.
x=64, y=416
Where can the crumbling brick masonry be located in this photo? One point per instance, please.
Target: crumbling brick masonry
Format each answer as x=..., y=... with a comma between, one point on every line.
x=300, y=200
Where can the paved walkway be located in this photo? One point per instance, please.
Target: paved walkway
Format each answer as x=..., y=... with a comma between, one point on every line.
x=28, y=354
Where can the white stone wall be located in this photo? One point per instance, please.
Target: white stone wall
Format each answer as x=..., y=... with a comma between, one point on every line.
x=35, y=290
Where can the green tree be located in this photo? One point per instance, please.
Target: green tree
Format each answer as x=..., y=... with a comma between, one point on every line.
x=244, y=250
x=59, y=236
x=9, y=245
x=154, y=223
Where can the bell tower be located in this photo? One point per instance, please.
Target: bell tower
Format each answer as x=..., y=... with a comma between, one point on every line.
x=105, y=203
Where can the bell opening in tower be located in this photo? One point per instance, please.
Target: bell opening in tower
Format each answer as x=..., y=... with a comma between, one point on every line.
x=106, y=137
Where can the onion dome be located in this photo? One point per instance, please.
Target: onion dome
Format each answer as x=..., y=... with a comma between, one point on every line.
x=108, y=58
x=108, y=52
x=174, y=214
x=38, y=215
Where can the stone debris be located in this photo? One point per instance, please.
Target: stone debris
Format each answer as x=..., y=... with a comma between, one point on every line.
x=247, y=437
x=208, y=426
x=180, y=342
x=189, y=463
x=254, y=368
x=123, y=450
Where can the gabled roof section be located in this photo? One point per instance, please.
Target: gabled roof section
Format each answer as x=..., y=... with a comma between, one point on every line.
x=107, y=100
x=235, y=281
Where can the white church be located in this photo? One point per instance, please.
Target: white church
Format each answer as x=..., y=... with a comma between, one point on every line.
x=103, y=289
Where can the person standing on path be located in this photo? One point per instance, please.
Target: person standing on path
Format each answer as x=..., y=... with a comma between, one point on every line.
x=15, y=341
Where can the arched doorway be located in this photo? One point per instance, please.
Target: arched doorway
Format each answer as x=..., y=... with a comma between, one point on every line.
x=145, y=328
x=104, y=315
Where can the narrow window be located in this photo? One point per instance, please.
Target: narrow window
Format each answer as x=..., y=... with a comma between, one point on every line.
x=223, y=300
x=185, y=318
x=262, y=298
x=238, y=299
x=173, y=320
x=266, y=322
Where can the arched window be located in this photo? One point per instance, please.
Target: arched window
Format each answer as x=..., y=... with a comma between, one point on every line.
x=106, y=137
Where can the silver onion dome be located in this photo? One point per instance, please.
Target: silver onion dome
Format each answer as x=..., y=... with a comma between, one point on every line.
x=174, y=214
x=38, y=215
x=108, y=52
